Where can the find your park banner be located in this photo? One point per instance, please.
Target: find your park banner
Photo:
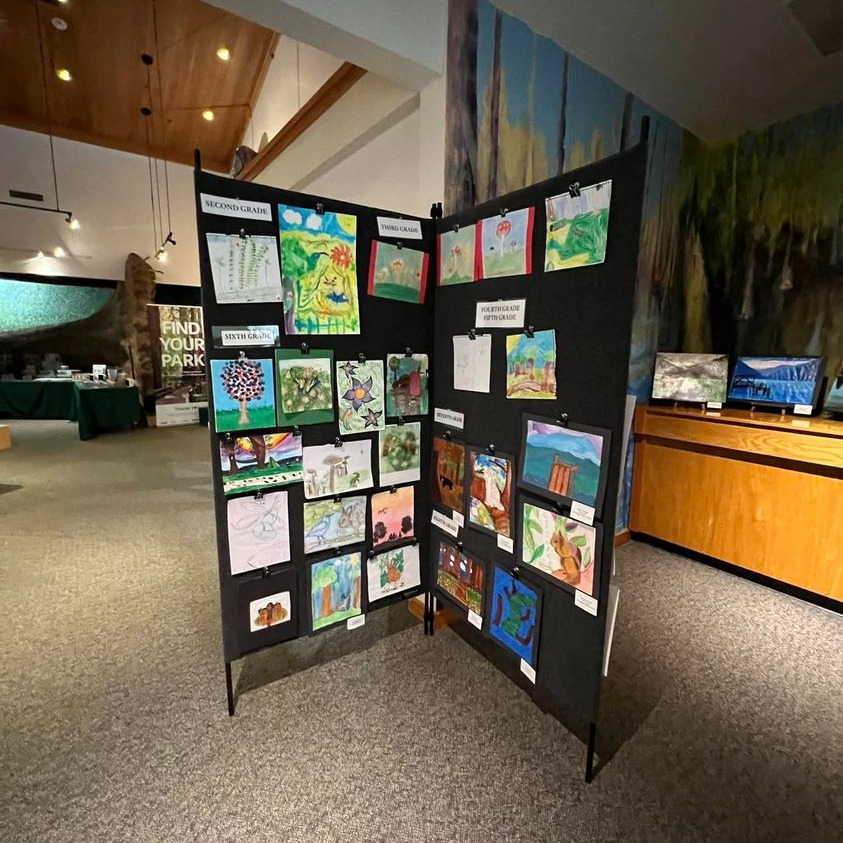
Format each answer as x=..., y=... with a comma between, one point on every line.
x=178, y=363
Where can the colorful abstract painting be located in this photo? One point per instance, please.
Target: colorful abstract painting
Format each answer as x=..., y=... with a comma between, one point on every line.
x=690, y=377
x=319, y=271
x=506, y=244
x=393, y=516
x=244, y=394
x=269, y=611
x=251, y=463
x=490, y=491
x=781, y=381
x=397, y=273
x=360, y=395
x=305, y=386
x=531, y=365
x=577, y=227
x=461, y=577
x=400, y=453
x=336, y=469
x=406, y=384
x=448, y=473
x=393, y=571
x=258, y=532
x=335, y=589
x=457, y=256
x=334, y=523
x=562, y=549
x=514, y=615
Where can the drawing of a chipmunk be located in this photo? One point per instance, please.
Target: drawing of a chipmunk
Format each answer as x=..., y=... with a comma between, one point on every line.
x=570, y=559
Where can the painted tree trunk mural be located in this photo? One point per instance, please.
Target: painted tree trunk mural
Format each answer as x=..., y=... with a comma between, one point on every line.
x=494, y=111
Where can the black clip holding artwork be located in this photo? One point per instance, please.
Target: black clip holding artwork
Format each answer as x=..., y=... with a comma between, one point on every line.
x=504, y=212
x=361, y=358
x=296, y=430
x=393, y=490
x=408, y=352
x=259, y=495
x=574, y=190
x=530, y=331
x=472, y=334
x=399, y=245
x=337, y=499
x=242, y=234
x=491, y=449
x=320, y=208
x=266, y=573
x=447, y=434
x=338, y=443
x=400, y=421
x=305, y=348
x=562, y=419
x=242, y=354
x=516, y=573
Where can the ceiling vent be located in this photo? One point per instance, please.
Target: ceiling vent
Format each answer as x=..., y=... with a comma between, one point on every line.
x=25, y=194
x=822, y=22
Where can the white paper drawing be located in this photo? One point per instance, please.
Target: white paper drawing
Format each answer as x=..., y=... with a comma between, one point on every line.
x=245, y=269
x=333, y=470
x=258, y=532
x=393, y=571
x=269, y=611
x=472, y=363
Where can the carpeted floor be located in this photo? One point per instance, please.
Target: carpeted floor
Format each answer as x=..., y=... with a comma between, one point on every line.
x=723, y=713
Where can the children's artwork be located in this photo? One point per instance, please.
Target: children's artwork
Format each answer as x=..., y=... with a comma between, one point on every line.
x=456, y=256
x=577, y=227
x=393, y=571
x=393, y=515
x=565, y=463
x=562, y=549
x=531, y=365
x=360, y=395
x=690, y=377
x=305, y=386
x=397, y=273
x=400, y=453
x=258, y=532
x=334, y=523
x=335, y=589
x=506, y=244
x=319, y=271
x=490, y=492
x=515, y=612
x=251, y=463
x=406, y=384
x=244, y=394
x=335, y=469
x=269, y=611
x=473, y=363
x=448, y=473
x=461, y=577
x=244, y=268
x=782, y=381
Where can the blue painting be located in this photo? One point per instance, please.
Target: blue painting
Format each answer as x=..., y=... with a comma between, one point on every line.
x=834, y=400
x=244, y=394
x=335, y=589
x=775, y=380
x=515, y=615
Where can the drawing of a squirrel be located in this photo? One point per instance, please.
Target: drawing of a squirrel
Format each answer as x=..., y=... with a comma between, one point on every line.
x=570, y=559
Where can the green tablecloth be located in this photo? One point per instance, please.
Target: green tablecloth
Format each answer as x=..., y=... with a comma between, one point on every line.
x=37, y=399
x=105, y=408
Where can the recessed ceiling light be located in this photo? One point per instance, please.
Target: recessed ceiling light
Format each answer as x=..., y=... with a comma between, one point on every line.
x=162, y=256
x=223, y=54
x=74, y=224
x=208, y=114
x=58, y=252
x=64, y=74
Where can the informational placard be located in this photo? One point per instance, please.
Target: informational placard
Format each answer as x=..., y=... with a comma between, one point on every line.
x=586, y=603
x=444, y=523
x=528, y=670
x=803, y=409
x=500, y=314
x=355, y=622
x=396, y=227
x=449, y=417
x=582, y=512
x=474, y=619
x=506, y=543
x=258, y=336
x=226, y=207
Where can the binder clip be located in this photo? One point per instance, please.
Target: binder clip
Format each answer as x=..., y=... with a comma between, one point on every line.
x=459, y=546
x=491, y=448
x=530, y=331
x=504, y=212
x=361, y=358
x=472, y=334
x=337, y=442
x=408, y=352
x=320, y=208
x=371, y=554
x=574, y=190
x=337, y=499
x=563, y=419
x=259, y=495
x=400, y=421
x=399, y=245
x=447, y=435
x=266, y=572
x=456, y=227
x=393, y=490
x=305, y=348
x=296, y=430
x=415, y=543
x=516, y=572
x=242, y=354
x=242, y=234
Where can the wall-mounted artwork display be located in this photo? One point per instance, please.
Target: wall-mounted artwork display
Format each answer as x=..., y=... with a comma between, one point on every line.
x=360, y=395
x=269, y=611
x=490, y=491
x=461, y=576
x=237, y=336
x=335, y=589
x=252, y=463
x=448, y=473
x=406, y=384
x=577, y=227
x=336, y=469
x=506, y=244
x=473, y=363
x=393, y=516
x=531, y=365
x=397, y=273
x=305, y=386
x=690, y=377
x=258, y=532
x=560, y=548
x=244, y=394
x=779, y=381
x=834, y=399
x=514, y=615
x=400, y=453
x=245, y=268
x=564, y=462
x=319, y=271
x=456, y=256
x=334, y=523
x=393, y=571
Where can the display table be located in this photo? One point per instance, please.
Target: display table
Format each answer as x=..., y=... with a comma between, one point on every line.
x=41, y=399
x=105, y=408
x=756, y=490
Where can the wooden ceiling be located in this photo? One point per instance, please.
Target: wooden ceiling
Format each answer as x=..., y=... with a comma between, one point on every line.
x=102, y=47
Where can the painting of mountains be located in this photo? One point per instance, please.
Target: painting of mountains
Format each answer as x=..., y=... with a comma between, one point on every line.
x=775, y=380
x=690, y=377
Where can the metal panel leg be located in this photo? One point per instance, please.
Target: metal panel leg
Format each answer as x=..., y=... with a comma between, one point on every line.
x=229, y=689
x=589, y=758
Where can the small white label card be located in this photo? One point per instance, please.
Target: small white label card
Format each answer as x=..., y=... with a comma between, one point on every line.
x=506, y=543
x=528, y=670
x=449, y=417
x=444, y=523
x=353, y=623
x=458, y=518
x=582, y=512
x=254, y=335
x=586, y=603
x=394, y=227
x=803, y=409
x=500, y=314
x=474, y=619
x=235, y=207
x=714, y=405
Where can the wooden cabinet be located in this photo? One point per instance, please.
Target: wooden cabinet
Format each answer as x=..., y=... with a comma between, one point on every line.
x=757, y=490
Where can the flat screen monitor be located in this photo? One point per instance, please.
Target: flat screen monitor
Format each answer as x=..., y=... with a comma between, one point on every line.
x=834, y=399
x=690, y=377
x=776, y=381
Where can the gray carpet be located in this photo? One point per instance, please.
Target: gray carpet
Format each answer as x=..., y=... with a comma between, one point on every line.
x=722, y=715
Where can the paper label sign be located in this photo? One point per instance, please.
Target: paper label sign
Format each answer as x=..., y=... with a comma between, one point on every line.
x=474, y=619
x=458, y=518
x=582, y=512
x=500, y=314
x=714, y=405
x=506, y=543
x=586, y=603
x=444, y=523
x=257, y=335
x=449, y=417
x=393, y=227
x=529, y=671
x=226, y=207
x=803, y=409
x=353, y=623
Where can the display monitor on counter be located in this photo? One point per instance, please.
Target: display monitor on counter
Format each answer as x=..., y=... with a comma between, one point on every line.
x=699, y=378
x=787, y=382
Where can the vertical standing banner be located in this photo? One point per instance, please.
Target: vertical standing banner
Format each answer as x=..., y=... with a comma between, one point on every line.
x=178, y=363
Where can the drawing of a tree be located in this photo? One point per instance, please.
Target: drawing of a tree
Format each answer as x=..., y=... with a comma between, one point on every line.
x=242, y=381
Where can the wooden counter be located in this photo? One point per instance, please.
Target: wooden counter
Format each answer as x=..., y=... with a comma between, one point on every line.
x=757, y=490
